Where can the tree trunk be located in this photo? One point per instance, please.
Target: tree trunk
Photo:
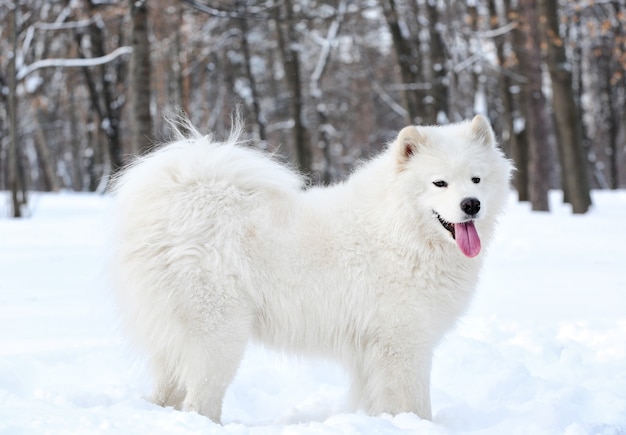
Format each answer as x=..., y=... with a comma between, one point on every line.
x=618, y=99
x=512, y=100
x=46, y=165
x=520, y=145
x=535, y=107
x=505, y=97
x=439, y=91
x=14, y=172
x=179, y=96
x=140, y=78
x=287, y=40
x=520, y=155
x=256, y=105
x=406, y=60
x=323, y=126
x=76, y=145
x=567, y=114
x=513, y=136
x=101, y=95
x=477, y=79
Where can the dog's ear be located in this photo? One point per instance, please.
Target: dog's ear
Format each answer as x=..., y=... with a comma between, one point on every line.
x=482, y=132
x=407, y=144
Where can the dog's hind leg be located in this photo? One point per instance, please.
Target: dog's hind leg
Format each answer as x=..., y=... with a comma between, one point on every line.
x=215, y=339
x=168, y=391
x=210, y=366
x=208, y=328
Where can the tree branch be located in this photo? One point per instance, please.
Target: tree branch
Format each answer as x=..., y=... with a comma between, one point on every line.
x=73, y=63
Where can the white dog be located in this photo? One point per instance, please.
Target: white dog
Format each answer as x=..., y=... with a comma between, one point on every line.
x=218, y=245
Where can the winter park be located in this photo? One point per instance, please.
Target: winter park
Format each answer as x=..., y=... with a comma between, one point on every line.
x=302, y=217
x=540, y=351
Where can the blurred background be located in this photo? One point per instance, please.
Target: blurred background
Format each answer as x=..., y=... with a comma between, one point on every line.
x=85, y=84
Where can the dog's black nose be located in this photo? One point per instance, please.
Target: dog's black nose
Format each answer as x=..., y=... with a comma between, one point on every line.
x=470, y=206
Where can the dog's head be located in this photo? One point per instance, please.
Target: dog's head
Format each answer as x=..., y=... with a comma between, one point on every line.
x=457, y=176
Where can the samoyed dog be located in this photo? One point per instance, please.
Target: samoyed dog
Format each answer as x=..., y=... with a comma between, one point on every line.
x=218, y=245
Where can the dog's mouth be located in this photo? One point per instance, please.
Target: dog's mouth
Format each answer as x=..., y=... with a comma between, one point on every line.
x=465, y=235
x=447, y=225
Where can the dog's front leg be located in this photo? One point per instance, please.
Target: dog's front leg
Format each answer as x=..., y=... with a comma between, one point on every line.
x=395, y=378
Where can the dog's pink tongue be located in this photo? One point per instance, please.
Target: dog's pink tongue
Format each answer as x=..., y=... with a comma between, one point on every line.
x=467, y=238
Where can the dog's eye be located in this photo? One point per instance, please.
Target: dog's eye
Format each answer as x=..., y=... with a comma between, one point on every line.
x=440, y=183
x=475, y=180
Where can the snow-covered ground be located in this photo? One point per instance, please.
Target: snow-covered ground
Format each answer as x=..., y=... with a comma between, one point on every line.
x=542, y=351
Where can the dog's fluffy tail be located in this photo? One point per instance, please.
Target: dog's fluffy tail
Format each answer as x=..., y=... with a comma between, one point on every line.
x=181, y=127
x=193, y=158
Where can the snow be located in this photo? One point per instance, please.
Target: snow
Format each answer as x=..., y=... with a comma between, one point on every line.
x=542, y=350
x=32, y=83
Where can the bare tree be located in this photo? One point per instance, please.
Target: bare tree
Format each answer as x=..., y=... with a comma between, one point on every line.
x=507, y=66
x=537, y=120
x=15, y=171
x=567, y=114
x=437, y=103
x=140, y=78
x=330, y=84
x=287, y=42
x=247, y=60
x=407, y=58
x=104, y=98
x=46, y=163
x=324, y=128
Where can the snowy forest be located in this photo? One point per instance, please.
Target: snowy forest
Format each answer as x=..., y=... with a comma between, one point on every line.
x=86, y=84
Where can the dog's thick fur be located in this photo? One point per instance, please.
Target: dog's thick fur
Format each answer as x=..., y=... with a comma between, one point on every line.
x=218, y=245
